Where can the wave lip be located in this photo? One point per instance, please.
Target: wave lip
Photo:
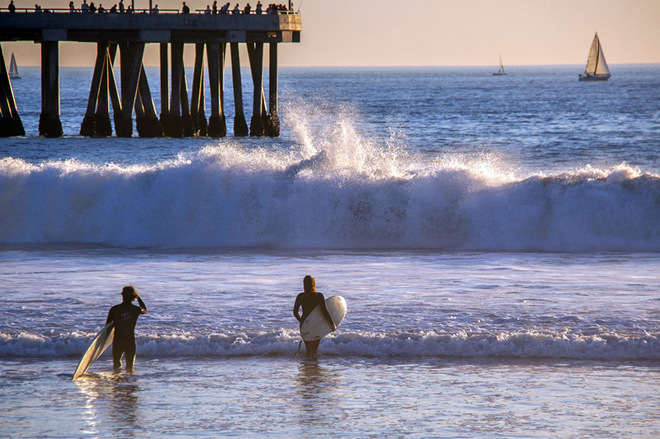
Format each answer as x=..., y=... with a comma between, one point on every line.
x=513, y=345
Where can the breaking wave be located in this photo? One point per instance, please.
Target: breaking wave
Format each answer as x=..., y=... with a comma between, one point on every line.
x=377, y=345
x=341, y=192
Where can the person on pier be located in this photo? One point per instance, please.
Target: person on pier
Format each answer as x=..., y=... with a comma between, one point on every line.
x=247, y=9
x=185, y=9
x=225, y=8
x=121, y=7
x=72, y=7
x=92, y=8
x=154, y=10
x=11, y=7
x=84, y=7
x=258, y=10
x=207, y=11
x=237, y=10
x=215, y=7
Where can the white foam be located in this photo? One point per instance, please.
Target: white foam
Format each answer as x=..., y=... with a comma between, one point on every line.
x=348, y=344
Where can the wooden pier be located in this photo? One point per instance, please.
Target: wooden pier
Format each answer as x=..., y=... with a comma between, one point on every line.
x=126, y=34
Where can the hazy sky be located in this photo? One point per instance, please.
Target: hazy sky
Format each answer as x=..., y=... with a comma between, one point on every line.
x=436, y=32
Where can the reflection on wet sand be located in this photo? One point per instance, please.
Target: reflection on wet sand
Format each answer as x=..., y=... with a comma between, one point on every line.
x=111, y=402
x=318, y=389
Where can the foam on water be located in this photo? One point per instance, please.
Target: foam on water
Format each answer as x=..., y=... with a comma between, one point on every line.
x=336, y=190
x=462, y=344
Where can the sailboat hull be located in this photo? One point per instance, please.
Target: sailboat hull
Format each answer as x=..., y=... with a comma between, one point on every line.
x=594, y=77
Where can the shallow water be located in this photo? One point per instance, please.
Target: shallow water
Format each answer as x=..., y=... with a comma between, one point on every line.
x=284, y=397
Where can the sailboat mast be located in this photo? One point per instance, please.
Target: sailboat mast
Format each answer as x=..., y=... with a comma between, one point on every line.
x=597, y=53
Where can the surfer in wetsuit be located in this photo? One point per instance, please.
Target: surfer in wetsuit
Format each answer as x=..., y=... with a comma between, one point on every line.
x=308, y=300
x=124, y=316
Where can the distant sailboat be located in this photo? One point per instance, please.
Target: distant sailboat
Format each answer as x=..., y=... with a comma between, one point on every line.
x=501, y=71
x=13, y=68
x=596, y=69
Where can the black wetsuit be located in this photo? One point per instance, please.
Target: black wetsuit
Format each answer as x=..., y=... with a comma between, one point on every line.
x=308, y=302
x=124, y=316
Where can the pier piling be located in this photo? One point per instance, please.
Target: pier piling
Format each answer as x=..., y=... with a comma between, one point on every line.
x=49, y=121
x=240, y=125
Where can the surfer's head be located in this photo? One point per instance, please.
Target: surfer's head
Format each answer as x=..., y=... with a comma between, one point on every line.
x=128, y=293
x=309, y=284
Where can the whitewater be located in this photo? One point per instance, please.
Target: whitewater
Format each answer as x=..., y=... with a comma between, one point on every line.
x=229, y=197
x=500, y=267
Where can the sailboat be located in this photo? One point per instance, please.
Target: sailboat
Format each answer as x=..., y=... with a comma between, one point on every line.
x=13, y=68
x=596, y=69
x=501, y=71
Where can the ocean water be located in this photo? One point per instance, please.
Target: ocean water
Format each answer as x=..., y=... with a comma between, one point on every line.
x=497, y=240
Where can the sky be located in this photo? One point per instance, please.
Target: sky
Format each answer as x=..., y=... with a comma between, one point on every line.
x=434, y=33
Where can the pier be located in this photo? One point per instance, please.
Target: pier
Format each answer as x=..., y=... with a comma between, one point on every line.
x=124, y=36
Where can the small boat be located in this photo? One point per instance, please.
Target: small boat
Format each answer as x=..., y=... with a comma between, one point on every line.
x=596, y=69
x=501, y=71
x=13, y=68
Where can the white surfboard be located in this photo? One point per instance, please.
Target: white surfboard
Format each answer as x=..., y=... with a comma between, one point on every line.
x=99, y=345
x=316, y=326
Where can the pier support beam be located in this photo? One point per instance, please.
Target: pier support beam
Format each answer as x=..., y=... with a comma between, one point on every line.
x=164, y=89
x=186, y=118
x=256, y=55
x=175, y=125
x=197, y=99
x=102, y=126
x=215, y=54
x=131, y=65
x=87, y=126
x=49, y=121
x=240, y=126
x=273, y=125
x=112, y=83
x=10, y=121
x=146, y=121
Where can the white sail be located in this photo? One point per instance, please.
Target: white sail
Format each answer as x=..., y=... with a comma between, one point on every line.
x=13, y=68
x=596, y=68
x=601, y=65
x=592, y=59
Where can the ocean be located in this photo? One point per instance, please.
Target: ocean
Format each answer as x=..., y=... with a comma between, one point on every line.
x=497, y=241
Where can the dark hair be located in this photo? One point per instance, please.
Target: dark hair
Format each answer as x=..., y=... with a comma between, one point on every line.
x=129, y=292
x=310, y=284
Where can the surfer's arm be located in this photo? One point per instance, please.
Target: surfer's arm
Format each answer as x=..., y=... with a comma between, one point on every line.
x=143, y=307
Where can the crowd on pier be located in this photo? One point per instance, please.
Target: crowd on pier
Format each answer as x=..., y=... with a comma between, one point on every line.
x=225, y=9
